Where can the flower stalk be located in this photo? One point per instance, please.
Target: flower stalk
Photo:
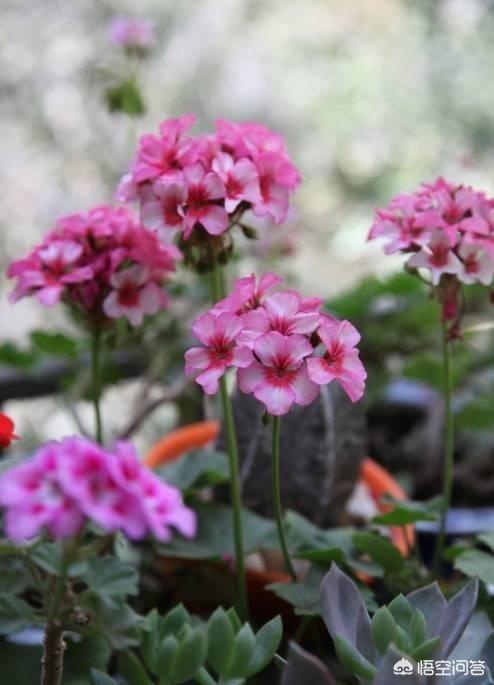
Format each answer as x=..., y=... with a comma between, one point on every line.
x=449, y=446
x=278, y=510
x=96, y=349
x=217, y=289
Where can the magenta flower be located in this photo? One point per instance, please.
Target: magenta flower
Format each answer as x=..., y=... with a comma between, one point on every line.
x=271, y=339
x=218, y=334
x=279, y=378
x=49, y=270
x=165, y=210
x=438, y=257
x=34, y=499
x=203, y=189
x=340, y=360
x=101, y=263
x=187, y=184
x=280, y=312
x=164, y=155
x=478, y=264
x=73, y=481
x=161, y=504
x=133, y=295
x=131, y=33
x=247, y=294
x=241, y=180
x=438, y=225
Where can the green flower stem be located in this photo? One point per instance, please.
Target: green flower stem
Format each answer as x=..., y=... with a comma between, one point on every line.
x=449, y=453
x=235, y=486
x=278, y=512
x=96, y=382
x=236, y=497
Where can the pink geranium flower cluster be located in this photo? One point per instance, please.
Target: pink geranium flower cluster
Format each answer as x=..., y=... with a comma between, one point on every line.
x=187, y=184
x=103, y=263
x=283, y=347
x=447, y=228
x=73, y=481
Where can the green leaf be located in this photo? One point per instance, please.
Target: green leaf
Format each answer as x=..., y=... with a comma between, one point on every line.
x=323, y=556
x=108, y=576
x=242, y=652
x=418, y=628
x=114, y=619
x=54, y=344
x=401, y=610
x=126, y=98
x=165, y=656
x=487, y=539
x=380, y=550
x=352, y=659
x=427, y=650
x=14, y=575
x=49, y=557
x=268, y=640
x=173, y=622
x=100, y=678
x=477, y=414
x=196, y=470
x=131, y=668
x=190, y=655
x=151, y=640
x=11, y=355
x=83, y=654
x=475, y=563
x=15, y=614
x=303, y=595
x=406, y=512
x=383, y=629
x=426, y=368
x=214, y=539
x=220, y=640
x=234, y=619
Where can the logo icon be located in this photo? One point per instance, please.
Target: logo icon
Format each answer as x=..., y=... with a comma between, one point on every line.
x=403, y=667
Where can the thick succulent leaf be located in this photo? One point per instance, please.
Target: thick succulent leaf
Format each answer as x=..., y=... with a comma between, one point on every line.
x=132, y=669
x=353, y=660
x=242, y=648
x=385, y=675
x=431, y=602
x=100, y=678
x=220, y=640
x=268, y=640
x=344, y=612
x=457, y=615
x=364, y=638
x=303, y=667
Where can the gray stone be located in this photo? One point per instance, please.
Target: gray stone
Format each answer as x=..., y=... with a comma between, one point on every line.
x=322, y=447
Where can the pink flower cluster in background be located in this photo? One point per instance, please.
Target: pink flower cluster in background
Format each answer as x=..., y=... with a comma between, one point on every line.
x=131, y=33
x=189, y=183
x=447, y=228
x=73, y=481
x=103, y=263
x=282, y=345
